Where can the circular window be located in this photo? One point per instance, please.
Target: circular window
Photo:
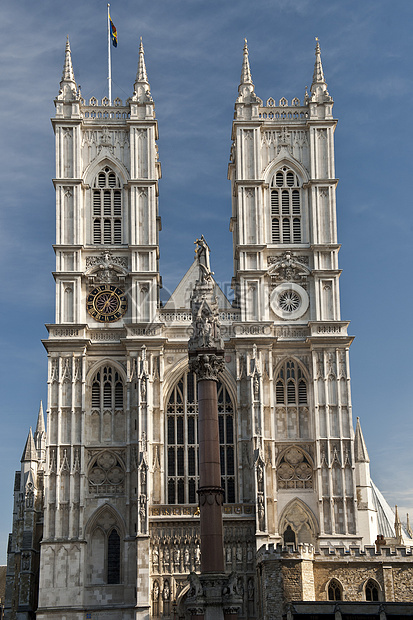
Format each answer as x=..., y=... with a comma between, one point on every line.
x=289, y=301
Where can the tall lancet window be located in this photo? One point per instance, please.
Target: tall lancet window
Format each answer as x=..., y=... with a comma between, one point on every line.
x=286, y=207
x=182, y=442
x=291, y=397
x=107, y=208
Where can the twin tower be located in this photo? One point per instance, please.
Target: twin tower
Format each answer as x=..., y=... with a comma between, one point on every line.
x=106, y=521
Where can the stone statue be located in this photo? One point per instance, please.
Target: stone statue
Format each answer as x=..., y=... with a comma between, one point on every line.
x=202, y=255
x=187, y=559
x=197, y=556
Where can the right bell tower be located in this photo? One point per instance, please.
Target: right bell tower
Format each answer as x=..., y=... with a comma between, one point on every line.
x=286, y=283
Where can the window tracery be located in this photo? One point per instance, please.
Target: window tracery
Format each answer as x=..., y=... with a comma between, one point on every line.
x=372, y=591
x=294, y=470
x=182, y=442
x=107, y=389
x=286, y=207
x=291, y=397
x=106, y=549
x=335, y=591
x=107, y=208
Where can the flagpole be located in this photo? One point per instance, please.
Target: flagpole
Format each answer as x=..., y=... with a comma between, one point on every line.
x=109, y=62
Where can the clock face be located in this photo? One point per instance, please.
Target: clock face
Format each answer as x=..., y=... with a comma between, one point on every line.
x=106, y=303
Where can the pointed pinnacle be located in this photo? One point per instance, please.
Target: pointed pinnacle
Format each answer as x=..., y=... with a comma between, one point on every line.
x=246, y=70
x=141, y=75
x=396, y=515
x=40, y=427
x=68, y=74
x=408, y=527
x=360, y=449
x=318, y=75
x=29, y=452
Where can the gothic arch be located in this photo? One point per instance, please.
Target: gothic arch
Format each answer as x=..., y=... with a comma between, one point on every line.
x=302, y=521
x=105, y=534
x=182, y=366
x=105, y=362
x=334, y=590
x=181, y=433
x=97, y=164
x=295, y=359
x=172, y=376
x=283, y=160
x=304, y=452
x=93, y=521
x=180, y=601
x=372, y=590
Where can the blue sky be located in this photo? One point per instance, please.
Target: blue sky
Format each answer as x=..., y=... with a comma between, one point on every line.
x=193, y=55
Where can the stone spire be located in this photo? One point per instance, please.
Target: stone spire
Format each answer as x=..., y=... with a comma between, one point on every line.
x=142, y=89
x=318, y=89
x=40, y=426
x=29, y=452
x=68, y=87
x=360, y=449
x=246, y=87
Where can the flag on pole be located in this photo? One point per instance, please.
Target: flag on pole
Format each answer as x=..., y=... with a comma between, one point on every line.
x=113, y=33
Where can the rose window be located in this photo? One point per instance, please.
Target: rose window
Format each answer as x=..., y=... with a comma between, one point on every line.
x=289, y=301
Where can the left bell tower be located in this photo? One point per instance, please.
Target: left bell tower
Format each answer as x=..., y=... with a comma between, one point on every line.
x=95, y=543
x=107, y=222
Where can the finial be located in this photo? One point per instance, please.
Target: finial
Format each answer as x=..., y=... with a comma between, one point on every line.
x=141, y=74
x=318, y=89
x=246, y=71
x=68, y=88
x=142, y=91
x=68, y=75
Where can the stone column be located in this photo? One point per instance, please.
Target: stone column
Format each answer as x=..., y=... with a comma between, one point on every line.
x=213, y=595
x=206, y=365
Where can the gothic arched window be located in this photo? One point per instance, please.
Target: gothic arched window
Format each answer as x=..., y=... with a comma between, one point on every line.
x=335, y=591
x=107, y=208
x=113, y=557
x=107, y=389
x=372, y=591
x=105, y=551
x=286, y=207
x=291, y=397
x=182, y=442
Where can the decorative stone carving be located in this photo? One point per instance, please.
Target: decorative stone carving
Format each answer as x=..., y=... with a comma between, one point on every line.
x=288, y=268
x=294, y=470
x=106, y=268
x=106, y=474
x=207, y=367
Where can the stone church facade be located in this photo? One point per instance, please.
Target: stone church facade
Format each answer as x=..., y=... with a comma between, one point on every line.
x=105, y=522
